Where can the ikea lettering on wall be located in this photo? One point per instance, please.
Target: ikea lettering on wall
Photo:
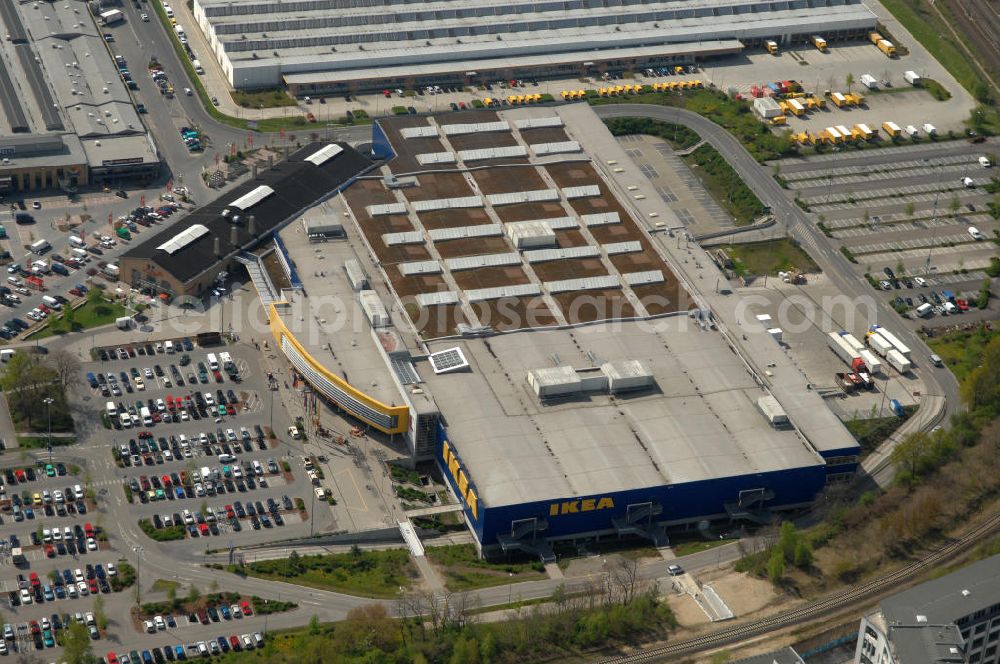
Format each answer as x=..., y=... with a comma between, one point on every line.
x=461, y=480
x=582, y=505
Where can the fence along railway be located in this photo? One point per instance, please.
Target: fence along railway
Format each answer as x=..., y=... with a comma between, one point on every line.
x=832, y=603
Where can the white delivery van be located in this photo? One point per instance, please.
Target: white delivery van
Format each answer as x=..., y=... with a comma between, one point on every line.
x=985, y=162
x=213, y=362
x=168, y=347
x=126, y=420
x=74, y=241
x=40, y=246
x=51, y=302
x=111, y=408
x=950, y=308
x=79, y=253
x=6, y=354
x=147, y=417
x=974, y=232
x=925, y=310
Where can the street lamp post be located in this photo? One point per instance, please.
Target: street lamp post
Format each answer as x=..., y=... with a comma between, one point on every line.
x=138, y=579
x=48, y=412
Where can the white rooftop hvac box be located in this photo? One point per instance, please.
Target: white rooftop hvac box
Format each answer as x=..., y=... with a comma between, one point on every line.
x=355, y=275
x=554, y=381
x=627, y=375
x=531, y=234
x=772, y=410
x=374, y=310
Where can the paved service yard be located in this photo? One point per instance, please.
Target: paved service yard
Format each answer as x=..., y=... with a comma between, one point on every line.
x=863, y=200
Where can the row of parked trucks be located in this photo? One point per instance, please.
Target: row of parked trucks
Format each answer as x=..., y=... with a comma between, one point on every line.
x=866, y=359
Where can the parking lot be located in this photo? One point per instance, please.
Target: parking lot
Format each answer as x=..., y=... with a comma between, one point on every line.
x=193, y=445
x=914, y=218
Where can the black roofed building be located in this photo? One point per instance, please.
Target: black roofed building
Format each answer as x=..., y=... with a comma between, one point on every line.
x=185, y=258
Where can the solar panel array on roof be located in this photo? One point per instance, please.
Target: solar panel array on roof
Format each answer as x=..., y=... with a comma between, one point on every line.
x=513, y=198
x=324, y=154
x=601, y=219
x=247, y=201
x=485, y=260
x=630, y=247
x=520, y=290
x=419, y=267
x=448, y=203
x=183, y=239
x=493, y=153
x=437, y=298
x=561, y=223
x=640, y=278
x=406, y=237
x=404, y=370
x=436, y=158
x=585, y=191
x=538, y=123
x=555, y=148
x=387, y=208
x=587, y=283
x=543, y=255
x=426, y=131
x=475, y=128
x=483, y=230
x=447, y=360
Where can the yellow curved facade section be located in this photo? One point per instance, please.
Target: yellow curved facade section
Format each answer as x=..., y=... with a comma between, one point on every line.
x=387, y=419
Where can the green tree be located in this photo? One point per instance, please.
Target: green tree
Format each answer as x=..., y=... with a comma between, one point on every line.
x=69, y=317
x=314, y=624
x=787, y=538
x=193, y=594
x=910, y=453
x=100, y=617
x=803, y=554
x=172, y=594
x=849, y=80
x=776, y=566
x=76, y=645
x=910, y=210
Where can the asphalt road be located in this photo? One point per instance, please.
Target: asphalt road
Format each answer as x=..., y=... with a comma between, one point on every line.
x=937, y=381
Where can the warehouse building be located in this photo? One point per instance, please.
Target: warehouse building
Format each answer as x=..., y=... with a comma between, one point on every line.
x=66, y=117
x=185, y=257
x=518, y=324
x=336, y=47
x=954, y=618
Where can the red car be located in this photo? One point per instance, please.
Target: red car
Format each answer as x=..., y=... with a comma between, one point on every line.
x=962, y=305
x=230, y=512
x=386, y=93
x=88, y=529
x=230, y=409
x=234, y=641
x=35, y=581
x=35, y=629
x=93, y=586
x=310, y=117
x=19, y=474
x=75, y=292
x=245, y=605
x=203, y=528
x=49, y=551
x=166, y=480
x=112, y=658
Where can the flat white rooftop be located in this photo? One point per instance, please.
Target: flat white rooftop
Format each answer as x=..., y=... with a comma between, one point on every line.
x=700, y=422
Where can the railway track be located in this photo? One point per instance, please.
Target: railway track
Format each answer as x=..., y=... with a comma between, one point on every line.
x=817, y=609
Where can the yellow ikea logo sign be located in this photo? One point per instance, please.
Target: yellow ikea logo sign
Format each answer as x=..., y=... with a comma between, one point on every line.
x=461, y=480
x=583, y=505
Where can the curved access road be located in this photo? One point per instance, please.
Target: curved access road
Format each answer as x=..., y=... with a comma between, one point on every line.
x=940, y=397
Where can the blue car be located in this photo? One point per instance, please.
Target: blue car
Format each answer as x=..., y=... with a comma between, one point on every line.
x=92, y=379
x=224, y=610
x=179, y=651
x=187, y=343
x=179, y=492
x=47, y=592
x=68, y=576
x=223, y=644
x=61, y=591
x=29, y=513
